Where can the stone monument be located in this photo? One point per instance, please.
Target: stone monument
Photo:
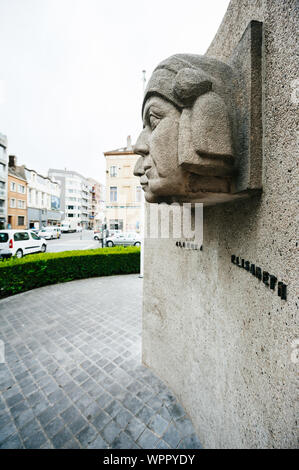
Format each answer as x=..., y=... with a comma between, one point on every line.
x=219, y=324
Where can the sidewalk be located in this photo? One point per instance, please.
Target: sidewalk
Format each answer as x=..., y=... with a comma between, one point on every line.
x=73, y=376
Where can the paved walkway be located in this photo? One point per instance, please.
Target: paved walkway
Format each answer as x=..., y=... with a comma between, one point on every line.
x=73, y=376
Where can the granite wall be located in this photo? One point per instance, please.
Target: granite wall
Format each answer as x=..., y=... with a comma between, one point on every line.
x=220, y=338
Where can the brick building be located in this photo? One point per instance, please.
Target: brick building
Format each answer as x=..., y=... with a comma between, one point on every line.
x=16, y=195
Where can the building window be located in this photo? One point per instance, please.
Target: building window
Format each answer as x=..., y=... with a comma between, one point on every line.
x=113, y=193
x=21, y=188
x=138, y=193
x=116, y=224
x=113, y=171
x=2, y=169
x=70, y=215
x=21, y=204
x=21, y=220
x=12, y=203
x=12, y=186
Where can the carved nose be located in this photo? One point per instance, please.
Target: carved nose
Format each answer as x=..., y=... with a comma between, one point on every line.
x=141, y=147
x=139, y=169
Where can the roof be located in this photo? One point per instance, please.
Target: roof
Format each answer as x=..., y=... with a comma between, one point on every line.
x=121, y=151
x=17, y=172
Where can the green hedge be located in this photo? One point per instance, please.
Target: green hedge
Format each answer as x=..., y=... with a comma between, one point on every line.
x=20, y=275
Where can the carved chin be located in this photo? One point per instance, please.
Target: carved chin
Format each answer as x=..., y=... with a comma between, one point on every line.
x=150, y=197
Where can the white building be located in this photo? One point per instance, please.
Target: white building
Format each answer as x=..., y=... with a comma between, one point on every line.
x=43, y=200
x=3, y=181
x=75, y=195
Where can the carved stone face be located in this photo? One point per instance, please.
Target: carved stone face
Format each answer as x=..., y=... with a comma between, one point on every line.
x=158, y=168
x=185, y=146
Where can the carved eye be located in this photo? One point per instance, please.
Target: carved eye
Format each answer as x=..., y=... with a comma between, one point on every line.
x=154, y=120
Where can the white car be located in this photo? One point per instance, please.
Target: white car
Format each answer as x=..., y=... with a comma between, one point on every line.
x=48, y=233
x=124, y=238
x=20, y=242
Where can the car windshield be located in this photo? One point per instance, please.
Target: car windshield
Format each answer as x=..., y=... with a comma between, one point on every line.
x=3, y=237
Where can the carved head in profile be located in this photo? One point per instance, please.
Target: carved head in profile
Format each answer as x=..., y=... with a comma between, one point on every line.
x=185, y=147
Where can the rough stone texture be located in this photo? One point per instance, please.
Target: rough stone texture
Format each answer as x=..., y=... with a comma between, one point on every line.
x=219, y=338
x=73, y=376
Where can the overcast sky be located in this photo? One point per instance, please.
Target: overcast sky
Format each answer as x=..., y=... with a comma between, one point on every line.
x=71, y=72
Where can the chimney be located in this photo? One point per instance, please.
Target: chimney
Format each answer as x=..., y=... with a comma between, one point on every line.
x=12, y=163
x=129, y=143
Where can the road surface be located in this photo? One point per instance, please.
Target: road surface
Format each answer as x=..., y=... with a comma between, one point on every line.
x=73, y=241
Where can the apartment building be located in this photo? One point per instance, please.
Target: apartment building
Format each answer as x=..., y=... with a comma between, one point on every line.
x=123, y=190
x=3, y=181
x=75, y=199
x=96, y=204
x=43, y=200
x=16, y=195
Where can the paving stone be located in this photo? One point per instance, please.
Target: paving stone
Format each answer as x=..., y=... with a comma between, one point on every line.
x=176, y=410
x=72, y=444
x=98, y=443
x=13, y=442
x=87, y=435
x=24, y=418
x=162, y=445
x=123, y=441
x=35, y=441
x=56, y=396
x=5, y=418
x=77, y=425
x=104, y=399
x=19, y=408
x=134, y=428
x=84, y=358
x=14, y=400
x=61, y=438
x=158, y=425
x=123, y=417
x=147, y=440
x=110, y=432
x=54, y=427
x=172, y=436
x=62, y=405
x=70, y=414
x=7, y=431
x=184, y=426
x=190, y=442
x=132, y=403
x=47, y=415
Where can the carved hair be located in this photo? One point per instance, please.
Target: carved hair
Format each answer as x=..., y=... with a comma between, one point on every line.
x=201, y=88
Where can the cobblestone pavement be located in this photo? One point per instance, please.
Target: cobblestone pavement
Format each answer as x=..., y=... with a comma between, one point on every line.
x=73, y=376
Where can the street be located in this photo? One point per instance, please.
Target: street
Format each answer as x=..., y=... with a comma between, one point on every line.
x=73, y=241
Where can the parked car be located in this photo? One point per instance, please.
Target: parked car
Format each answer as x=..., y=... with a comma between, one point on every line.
x=35, y=230
x=124, y=238
x=70, y=226
x=49, y=233
x=20, y=242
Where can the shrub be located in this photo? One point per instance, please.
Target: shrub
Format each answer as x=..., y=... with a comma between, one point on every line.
x=20, y=275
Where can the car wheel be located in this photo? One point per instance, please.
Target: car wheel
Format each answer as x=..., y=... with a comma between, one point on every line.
x=110, y=243
x=19, y=254
x=43, y=248
x=137, y=244
x=95, y=237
